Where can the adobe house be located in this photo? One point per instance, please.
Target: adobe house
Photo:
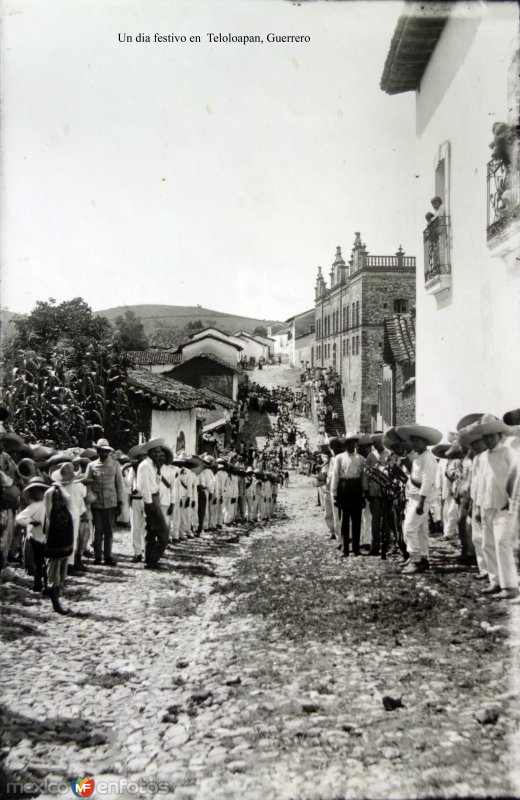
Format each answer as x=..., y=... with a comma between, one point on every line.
x=168, y=409
x=208, y=371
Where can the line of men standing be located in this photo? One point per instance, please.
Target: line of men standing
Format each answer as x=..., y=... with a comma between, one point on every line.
x=175, y=497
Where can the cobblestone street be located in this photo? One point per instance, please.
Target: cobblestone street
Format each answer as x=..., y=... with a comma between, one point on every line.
x=255, y=666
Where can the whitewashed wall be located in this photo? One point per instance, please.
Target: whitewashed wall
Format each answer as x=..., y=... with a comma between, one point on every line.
x=168, y=425
x=468, y=340
x=224, y=351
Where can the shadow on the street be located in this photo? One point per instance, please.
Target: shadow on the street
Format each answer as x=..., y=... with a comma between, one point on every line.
x=16, y=727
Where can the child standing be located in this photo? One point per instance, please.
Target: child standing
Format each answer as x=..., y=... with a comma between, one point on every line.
x=33, y=518
x=59, y=537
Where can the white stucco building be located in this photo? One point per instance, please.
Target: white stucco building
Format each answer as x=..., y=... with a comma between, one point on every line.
x=461, y=60
x=216, y=344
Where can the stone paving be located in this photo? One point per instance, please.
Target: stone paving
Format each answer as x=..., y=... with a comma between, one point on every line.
x=255, y=665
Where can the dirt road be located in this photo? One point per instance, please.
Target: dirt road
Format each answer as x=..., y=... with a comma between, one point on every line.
x=255, y=666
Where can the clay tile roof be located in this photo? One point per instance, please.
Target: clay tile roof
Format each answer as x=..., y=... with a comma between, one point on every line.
x=209, y=357
x=416, y=35
x=168, y=338
x=154, y=357
x=216, y=397
x=166, y=393
x=399, y=344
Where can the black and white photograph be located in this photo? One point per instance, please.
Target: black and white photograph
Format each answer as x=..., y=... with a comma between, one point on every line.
x=259, y=399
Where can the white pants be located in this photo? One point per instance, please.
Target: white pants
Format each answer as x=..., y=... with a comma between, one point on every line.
x=250, y=504
x=415, y=530
x=366, y=526
x=185, y=528
x=137, y=526
x=497, y=536
x=476, y=538
x=213, y=512
x=168, y=518
x=329, y=512
x=451, y=517
x=175, y=526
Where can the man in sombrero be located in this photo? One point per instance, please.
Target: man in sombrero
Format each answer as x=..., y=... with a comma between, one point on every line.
x=148, y=477
x=420, y=493
x=496, y=463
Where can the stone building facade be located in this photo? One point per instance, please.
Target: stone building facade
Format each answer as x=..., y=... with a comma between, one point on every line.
x=349, y=324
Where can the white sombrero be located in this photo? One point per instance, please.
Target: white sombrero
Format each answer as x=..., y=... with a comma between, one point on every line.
x=152, y=444
x=490, y=424
x=430, y=435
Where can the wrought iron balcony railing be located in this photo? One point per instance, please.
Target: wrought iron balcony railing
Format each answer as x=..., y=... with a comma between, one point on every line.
x=503, y=189
x=436, y=237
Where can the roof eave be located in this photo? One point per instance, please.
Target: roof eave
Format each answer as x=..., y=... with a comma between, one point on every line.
x=413, y=43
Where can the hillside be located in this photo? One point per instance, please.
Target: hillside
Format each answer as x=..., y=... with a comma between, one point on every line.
x=156, y=317
x=7, y=329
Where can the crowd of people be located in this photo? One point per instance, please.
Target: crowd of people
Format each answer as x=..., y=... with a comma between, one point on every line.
x=324, y=385
x=59, y=506
x=383, y=491
x=406, y=483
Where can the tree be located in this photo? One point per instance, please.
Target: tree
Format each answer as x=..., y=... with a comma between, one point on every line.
x=195, y=325
x=131, y=331
x=260, y=330
x=65, y=378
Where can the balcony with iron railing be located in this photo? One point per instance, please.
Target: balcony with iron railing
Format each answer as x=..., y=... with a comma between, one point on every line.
x=437, y=266
x=503, y=192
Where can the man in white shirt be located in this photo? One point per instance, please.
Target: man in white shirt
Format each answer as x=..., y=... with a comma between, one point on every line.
x=474, y=443
x=147, y=485
x=420, y=493
x=493, y=509
x=346, y=489
x=137, y=515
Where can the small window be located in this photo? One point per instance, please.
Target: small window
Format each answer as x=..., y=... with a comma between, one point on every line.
x=400, y=306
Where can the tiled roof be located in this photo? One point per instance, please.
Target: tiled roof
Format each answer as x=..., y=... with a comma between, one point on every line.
x=416, y=35
x=216, y=397
x=200, y=331
x=166, y=393
x=168, y=338
x=209, y=357
x=154, y=357
x=211, y=336
x=399, y=344
x=280, y=329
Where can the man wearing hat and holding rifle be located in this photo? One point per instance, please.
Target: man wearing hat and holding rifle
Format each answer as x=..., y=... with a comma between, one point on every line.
x=420, y=493
x=104, y=477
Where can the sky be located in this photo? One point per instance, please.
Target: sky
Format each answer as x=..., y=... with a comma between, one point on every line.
x=212, y=173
